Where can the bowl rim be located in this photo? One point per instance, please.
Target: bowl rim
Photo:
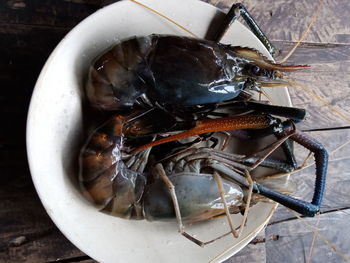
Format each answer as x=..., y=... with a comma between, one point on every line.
x=29, y=146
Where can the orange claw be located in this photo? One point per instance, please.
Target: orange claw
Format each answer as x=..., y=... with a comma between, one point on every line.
x=215, y=125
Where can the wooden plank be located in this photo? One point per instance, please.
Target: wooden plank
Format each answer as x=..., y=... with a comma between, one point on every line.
x=336, y=194
x=51, y=13
x=292, y=240
x=11, y=134
x=281, y=20
x=328, y=78
x=12, y=157
x=286, y=20
x=255, y=252
x=52, y=247
x=27, y=233
x=24, y=51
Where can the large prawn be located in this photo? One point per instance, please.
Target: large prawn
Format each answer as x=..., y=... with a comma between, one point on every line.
x=190, y=184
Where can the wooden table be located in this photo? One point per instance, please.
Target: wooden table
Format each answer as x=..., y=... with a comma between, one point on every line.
x=29, y=30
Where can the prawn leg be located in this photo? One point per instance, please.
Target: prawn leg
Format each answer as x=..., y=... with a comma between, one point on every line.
x=234, y=13
x=321, y=162
x=249, y=198
x=303, y=207
x=171, y=188
x=279, y=132
x=227, y=212
x=250, y=181
x=271, y=148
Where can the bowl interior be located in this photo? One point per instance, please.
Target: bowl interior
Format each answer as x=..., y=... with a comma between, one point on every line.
x=55, y=128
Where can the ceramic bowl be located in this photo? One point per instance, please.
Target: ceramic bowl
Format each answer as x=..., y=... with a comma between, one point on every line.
x=54, y=135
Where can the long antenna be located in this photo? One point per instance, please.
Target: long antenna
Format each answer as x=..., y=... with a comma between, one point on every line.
x=319, y=98
x=165, y=17
x=313, y=20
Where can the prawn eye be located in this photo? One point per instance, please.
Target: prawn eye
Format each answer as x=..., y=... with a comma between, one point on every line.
x=255, y=70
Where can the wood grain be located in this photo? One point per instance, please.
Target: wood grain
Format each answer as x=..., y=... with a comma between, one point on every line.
x=253, y=252
x=28, y=34
x=51, y=13
x=294, y=239
x=285, y=20
x=27, y=234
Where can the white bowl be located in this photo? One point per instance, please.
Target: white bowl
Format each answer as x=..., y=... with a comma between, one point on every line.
x=54, y=134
